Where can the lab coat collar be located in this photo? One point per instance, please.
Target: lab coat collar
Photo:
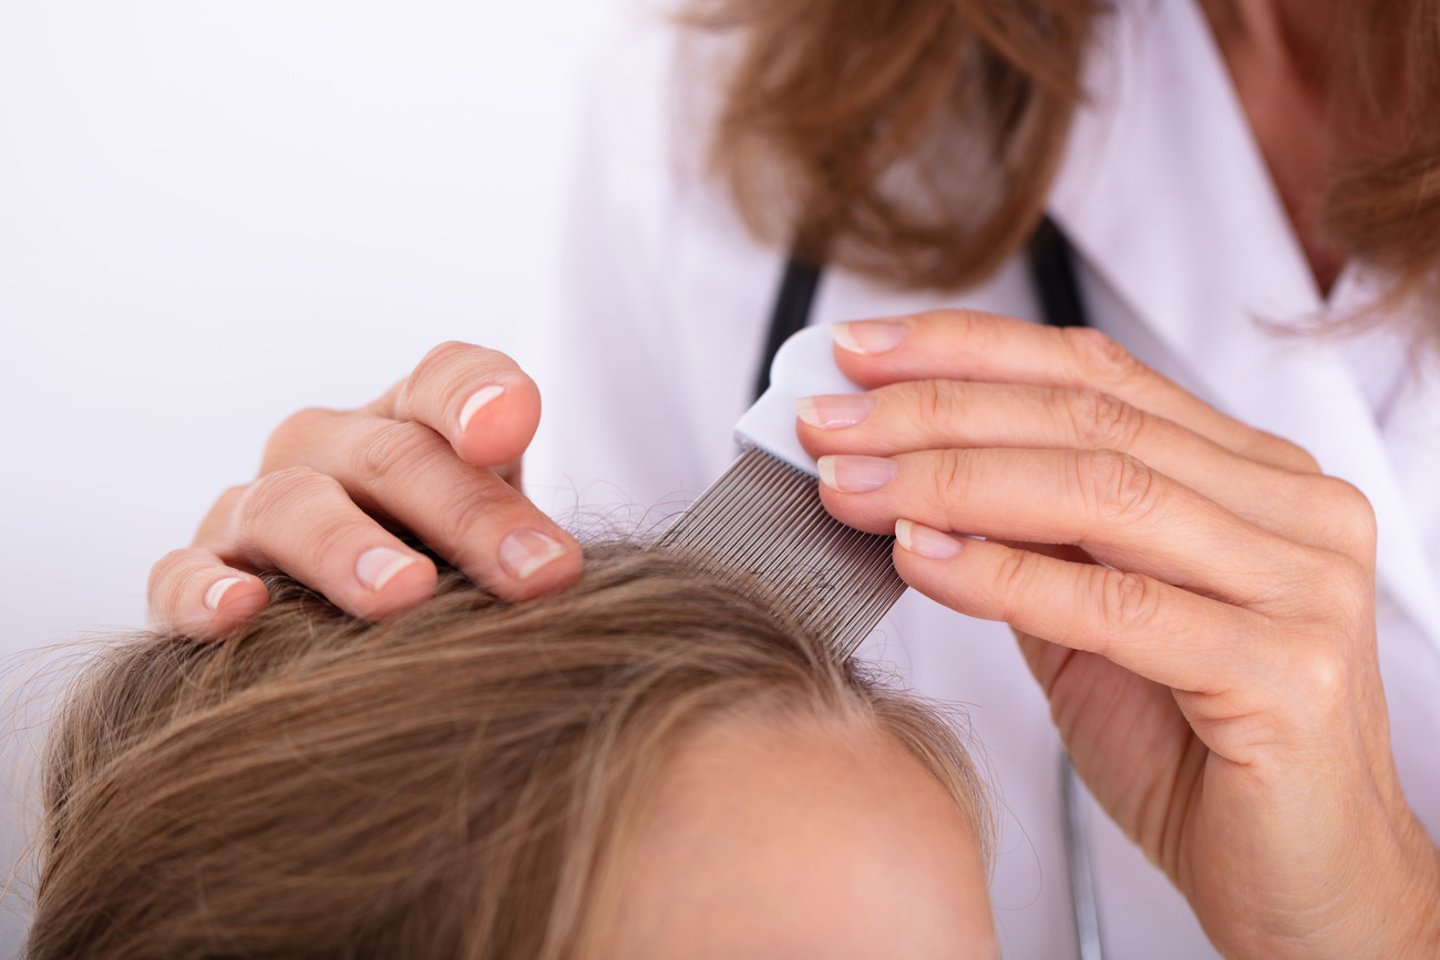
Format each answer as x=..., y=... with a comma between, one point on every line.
x=1166, y=197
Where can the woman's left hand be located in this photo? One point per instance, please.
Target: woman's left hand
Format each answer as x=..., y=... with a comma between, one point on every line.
x=1195, y=598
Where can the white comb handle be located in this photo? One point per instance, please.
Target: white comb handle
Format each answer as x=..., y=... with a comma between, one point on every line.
x=804, y=367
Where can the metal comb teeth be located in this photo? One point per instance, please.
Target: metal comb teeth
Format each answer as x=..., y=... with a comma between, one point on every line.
x=763, y=519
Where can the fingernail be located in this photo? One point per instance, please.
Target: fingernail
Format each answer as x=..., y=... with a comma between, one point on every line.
x=217, y=591
x=856, y=474
x=830, y=413
x=870, y=336
x=926, y=541
x=376, y=567
x=524, y=551
x=477, y=400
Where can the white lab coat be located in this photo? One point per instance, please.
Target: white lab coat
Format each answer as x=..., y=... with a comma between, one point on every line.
x=1184, y=247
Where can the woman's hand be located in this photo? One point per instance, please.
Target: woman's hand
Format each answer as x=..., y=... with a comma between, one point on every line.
x=437, y=455
x=1196, y=599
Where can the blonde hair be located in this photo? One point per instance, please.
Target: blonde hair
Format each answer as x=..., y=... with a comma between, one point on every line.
x=450, y=782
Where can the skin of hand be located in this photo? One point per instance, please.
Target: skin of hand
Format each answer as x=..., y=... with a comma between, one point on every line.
x=1195, y=598
x=438, y=454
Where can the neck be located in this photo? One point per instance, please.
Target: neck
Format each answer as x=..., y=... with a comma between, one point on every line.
x=1276, y=52
x=1299, y=32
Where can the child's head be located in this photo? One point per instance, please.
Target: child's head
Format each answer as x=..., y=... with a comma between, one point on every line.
x=651, y=764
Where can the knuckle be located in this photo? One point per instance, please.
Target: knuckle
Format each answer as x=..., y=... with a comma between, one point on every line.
x=1104, y=421
x=329, y=537
x=275, y=495
x=449, y=350
x=1324, y=586
x=934, y=402
x=441, y=356
x=1129, y=602
x=294, y=435
x=167, y=575
x=1012, y=574
x=1325, y=678
x=1120, y=487
x=437, y=364
x=215, y=526
x=1354, y=588
x=467, y=511
x=1305, y=461
x=447, y=363
x=1099, y=358
x=1351, y=514
x=960, y=319
x=394, y=448
x=172, y=580
x=952, y=476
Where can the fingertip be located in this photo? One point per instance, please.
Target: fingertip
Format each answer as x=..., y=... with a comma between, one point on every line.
x=926, y=542
x=534, y=562
x=943, y=566
x=193, y=593
x=477, y=401
x=936, y=579
x=856, y=510
x=817, y=443
x=496, y=421
x=231, y=601
x=556, y=575
x=400, y=583
x=870, y=337
x=864, y=370
x=810, y=439
x=215, y=594
x=865, y=349
x=827, y=423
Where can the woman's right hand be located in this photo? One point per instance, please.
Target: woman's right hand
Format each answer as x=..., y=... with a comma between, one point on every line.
x=437, y=455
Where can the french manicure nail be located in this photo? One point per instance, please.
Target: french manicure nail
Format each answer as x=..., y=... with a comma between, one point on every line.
x=926, y=541
x=856, y=474
x=524, y=551
x=377, y=566
x=477, y=400
x=869, y=336
x=833, y=412
x=217, y=591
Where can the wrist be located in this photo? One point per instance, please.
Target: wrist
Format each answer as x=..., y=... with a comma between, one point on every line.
x=1417, y=910
x=1385, y=905
x=1401, y=918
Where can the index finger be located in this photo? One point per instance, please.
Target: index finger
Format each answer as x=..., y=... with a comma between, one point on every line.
x=477, y=399
x=969, y=345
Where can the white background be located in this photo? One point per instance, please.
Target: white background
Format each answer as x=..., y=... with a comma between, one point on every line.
x=214, y=212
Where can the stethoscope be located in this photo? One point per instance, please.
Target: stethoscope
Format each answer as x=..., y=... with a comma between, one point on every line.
x=1052, y=269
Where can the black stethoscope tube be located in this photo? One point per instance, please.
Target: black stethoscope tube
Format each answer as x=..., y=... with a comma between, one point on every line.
x=1052, y=269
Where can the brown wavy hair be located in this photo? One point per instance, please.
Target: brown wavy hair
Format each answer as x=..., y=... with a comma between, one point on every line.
x=447, y=783
x=915, y=141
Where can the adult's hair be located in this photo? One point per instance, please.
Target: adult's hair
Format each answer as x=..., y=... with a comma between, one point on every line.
x=450, y=782
x=915, y=141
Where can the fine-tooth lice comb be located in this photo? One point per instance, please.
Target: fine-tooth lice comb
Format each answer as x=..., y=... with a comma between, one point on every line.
x=763, y=519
